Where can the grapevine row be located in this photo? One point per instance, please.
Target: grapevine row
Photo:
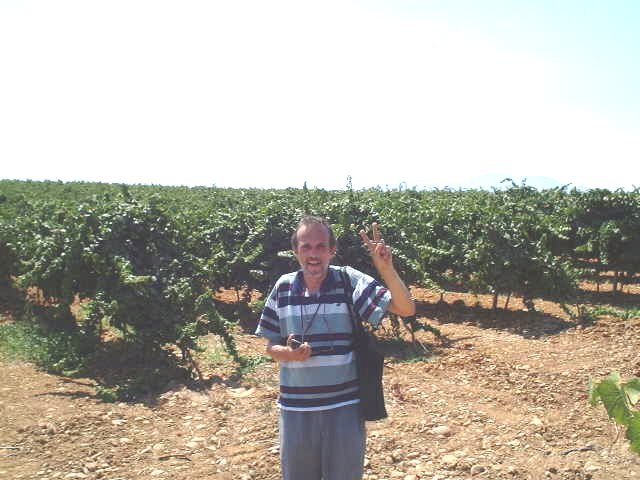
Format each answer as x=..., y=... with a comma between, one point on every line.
x=146, y=259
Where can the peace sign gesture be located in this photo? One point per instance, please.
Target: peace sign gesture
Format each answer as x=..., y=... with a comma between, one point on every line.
x=380, y=252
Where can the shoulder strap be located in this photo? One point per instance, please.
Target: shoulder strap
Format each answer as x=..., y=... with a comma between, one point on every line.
x=355, y=324
x=347, y=285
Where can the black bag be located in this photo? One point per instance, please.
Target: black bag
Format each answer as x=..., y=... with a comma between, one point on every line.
x=369, y=360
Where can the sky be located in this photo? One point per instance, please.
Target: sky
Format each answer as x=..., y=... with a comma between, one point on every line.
x=273, y=94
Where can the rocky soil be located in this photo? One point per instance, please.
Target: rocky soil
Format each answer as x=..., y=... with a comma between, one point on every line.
x=500, y=398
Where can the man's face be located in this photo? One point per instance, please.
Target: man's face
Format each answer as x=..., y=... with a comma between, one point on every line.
x=313, y=251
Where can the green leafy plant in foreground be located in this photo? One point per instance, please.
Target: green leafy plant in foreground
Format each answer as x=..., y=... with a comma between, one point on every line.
x=242, y=364
x=55, y=352
x=620, y=400
x=248, y=363
x=108, y=395
x=625, y=313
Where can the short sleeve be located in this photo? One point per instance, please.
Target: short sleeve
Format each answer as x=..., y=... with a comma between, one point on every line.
x=370, y=298
x=269, y=323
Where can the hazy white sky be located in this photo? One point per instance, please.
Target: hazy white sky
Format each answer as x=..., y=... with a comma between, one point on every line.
x=276, y=93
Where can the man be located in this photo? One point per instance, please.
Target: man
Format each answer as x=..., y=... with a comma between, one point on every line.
x=306, y=322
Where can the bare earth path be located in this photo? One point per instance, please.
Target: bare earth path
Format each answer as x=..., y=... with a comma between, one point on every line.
x=502, y=399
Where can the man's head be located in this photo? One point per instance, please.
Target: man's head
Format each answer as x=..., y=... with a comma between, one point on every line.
x=314, y=245
x=307, y=221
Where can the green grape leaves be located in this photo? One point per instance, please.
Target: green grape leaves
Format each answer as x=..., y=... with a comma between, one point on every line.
x=632, y=389
x=619, y=399
x=633, y=432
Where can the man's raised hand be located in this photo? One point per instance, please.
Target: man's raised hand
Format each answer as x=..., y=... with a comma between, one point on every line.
x=380, y=252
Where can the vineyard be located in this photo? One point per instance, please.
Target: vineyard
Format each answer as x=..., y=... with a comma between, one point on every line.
x=150, y=272
x=148, y=257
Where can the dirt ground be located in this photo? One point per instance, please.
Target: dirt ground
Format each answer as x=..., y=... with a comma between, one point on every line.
x=501, y=397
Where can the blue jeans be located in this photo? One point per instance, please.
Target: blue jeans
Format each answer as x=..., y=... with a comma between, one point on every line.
x=324, y=444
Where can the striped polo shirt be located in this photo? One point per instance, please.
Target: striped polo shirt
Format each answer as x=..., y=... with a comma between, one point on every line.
x=328, y=378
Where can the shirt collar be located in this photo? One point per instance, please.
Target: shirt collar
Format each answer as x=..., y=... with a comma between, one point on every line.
x=327, y=284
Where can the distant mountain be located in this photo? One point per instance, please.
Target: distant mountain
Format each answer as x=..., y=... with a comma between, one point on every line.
x=490, y=180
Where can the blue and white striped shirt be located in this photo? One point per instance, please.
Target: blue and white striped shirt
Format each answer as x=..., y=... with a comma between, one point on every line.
x=328, y=379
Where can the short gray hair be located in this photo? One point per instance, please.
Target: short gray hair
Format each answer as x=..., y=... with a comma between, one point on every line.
x=311, y=220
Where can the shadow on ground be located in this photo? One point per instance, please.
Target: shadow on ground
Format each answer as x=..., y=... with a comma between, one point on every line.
x=527, y=324
x=615, y=299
